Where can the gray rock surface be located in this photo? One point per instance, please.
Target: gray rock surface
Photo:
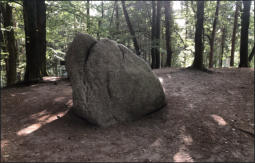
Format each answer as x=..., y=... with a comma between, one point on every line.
x=110, y=83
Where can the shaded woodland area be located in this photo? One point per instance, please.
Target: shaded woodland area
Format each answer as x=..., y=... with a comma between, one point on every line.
x=201, y=54
x=164, y=34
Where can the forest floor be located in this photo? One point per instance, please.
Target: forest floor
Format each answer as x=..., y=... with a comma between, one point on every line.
x=209, y=117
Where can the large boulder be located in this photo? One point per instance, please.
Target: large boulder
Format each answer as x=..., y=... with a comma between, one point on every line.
x=110, y=83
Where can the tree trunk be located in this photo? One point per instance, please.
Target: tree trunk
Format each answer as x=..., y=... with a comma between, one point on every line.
x=113, y=10
x=186, y=21
x=168, y=19
x=198, y=60
x=131, y=30
x=2, y=48
x=88, y=17
x=186, y=28
x=100, y=21
x=34, y=13
x=222, y=45
x=253, y=49
x=252, y=53
x=42, y=34
x=213, y=35
x=10, y=41
x=245, y=21
x=157, y=34
x=162, y=37
x=238, y=5
x=117, y=21
x=153, y=27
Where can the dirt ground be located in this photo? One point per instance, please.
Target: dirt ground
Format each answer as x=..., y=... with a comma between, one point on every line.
x=208, y=118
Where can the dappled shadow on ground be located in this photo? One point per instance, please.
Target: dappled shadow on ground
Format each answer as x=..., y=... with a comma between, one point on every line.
x=204, y=120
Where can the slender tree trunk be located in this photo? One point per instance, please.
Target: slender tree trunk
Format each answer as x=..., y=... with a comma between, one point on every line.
x=10, y=41
x=253, y=49
x=213, y=35
x=153, y=29
x=117, y=21
x=157, y=34
x=113, y=10
x=162, y=37
x=245, y=21
x=238, y=5
x=131, y=30
x=186, y=28
x=2, y=48
x=98, y=30
x=223, y=38
x=88, y=17
x=198, y=60
x=186, y=21
x=252, y=53
x=100, y=21
x=35, y=30
x=168, y=18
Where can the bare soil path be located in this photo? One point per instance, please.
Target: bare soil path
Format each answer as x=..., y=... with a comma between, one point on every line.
x=209, y=117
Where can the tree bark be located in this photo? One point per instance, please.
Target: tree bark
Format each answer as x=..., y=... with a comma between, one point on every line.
x=131, y=30
x=252, y=53
x=157, y=34
x=186, y=28
x=117, y=21
x=100, y=21
x=113, y=10
x=238, y=5
x=88, y=17
x=42, y=34
x=153, y=27
x=10, y=42
x=34, y=13
x=223, y=38
x=245, y=21
x=1, y=38
x=253, y=49
x=186, y=21
x=213, y=34
x=168, y=19
x=199, y=47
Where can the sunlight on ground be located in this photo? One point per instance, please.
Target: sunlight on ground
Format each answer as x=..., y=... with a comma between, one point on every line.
x=4, y=143
x=29, y=129
x=4, y=154
x=44, y=118
x=36, y=115
x=59, y=99
x=42, y=121
x=219, y=120
x=51, y=78
x=156, y=143
x=69, y=103
x=24, y=93
x=187, y=139
x=182, y=156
